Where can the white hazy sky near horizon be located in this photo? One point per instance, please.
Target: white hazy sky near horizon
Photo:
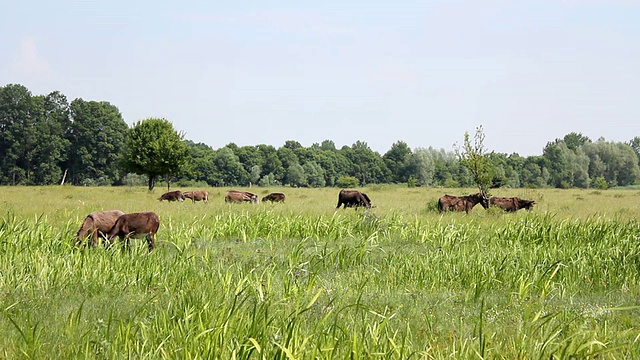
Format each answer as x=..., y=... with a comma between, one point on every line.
x=263, y=72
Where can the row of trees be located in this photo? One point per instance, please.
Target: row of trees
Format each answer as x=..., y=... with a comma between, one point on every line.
x=44, y=138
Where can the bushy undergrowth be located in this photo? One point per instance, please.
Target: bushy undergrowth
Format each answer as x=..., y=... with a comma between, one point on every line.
x=277, y=281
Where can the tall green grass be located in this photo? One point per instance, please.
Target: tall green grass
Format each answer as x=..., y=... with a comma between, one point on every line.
x=302, y=280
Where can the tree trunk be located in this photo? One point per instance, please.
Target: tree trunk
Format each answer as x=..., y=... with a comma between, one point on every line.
x=64, y=176
x=152, y=182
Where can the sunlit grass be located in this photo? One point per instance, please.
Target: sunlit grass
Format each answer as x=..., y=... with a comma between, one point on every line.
x=303, y=280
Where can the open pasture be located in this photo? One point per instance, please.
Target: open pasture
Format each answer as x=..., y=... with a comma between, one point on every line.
x=303, y=280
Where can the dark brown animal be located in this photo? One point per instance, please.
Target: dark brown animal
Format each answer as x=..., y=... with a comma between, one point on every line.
x=511, y=204
x=274, y=197
x=97, y=223
x=462, y=203
x=353, y=198
x=176, y=195
x=136, y=225
x=236, y=196
x=197, y=195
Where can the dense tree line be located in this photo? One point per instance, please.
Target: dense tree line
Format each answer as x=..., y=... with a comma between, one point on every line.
x=44, y=138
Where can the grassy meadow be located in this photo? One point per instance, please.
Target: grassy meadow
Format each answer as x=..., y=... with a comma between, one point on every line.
x=302, y=280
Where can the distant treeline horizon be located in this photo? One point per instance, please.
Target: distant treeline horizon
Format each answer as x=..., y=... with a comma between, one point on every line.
x=45, y=139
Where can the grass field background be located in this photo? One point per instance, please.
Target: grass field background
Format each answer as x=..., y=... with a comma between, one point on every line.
x=303, y=280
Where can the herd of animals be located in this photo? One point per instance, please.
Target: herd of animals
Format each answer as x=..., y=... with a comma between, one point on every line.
x=115, y=223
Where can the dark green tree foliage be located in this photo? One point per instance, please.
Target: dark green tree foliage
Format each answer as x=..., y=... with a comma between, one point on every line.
x=97, y=138
x=32, y=143
x=314, y=173
x=201, y=165
x=154, y=148
x=230, y=170
x=16, y=133
x=575, y=140
x=51, y=149
x=366, y=165
x=43, y=137
x=397, y=159
x=271, y=164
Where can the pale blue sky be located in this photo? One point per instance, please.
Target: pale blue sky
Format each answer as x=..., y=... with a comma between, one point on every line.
x=263, y=72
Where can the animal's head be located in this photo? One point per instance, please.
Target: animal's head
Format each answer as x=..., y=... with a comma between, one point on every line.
x=526, y=204
x=364, y=200
x=481, y=198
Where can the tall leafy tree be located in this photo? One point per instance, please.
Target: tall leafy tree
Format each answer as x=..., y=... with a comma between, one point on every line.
x=396, y=160
x=201, y=166
x=575, y=140
x=155, y=148
x=16, y=133
x=635, y=145
x=271, y=164
x=366, y=165
x=295, y=175
x=97, y=137
x=473, y=157
x=230, y=170
x=314, y=174
x=51, y=125
x=420, y=166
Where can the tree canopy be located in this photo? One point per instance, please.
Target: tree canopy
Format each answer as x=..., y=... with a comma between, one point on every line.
x=44, y=139
x=154, y=148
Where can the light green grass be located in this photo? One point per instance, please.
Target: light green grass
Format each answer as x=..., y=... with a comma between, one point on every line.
x=302, y=280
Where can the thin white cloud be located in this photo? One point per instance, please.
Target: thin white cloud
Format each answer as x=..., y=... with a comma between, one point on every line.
x=30, y=65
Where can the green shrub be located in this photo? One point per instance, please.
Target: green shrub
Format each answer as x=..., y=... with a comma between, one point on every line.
x=347, y=181
x=600, y=183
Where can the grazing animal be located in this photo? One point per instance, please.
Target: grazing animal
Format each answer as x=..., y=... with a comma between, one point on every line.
x=136, y=225
x=353, y=198
x=97, y=223
x=511, y=204
x=176, y=195
x=197, y=195
x=462, y=203
x=274, y=197
x=236, y=196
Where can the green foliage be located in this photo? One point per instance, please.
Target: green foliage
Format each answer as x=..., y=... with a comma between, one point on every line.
x=268, y=180
x=296, y=176
x=397, y=161
x=43, y=138
x=347, y=181
x=474, y=158
x=412, y=182
x=97, y=137
x=229, y=169
x=600, y=183
x=154, y=148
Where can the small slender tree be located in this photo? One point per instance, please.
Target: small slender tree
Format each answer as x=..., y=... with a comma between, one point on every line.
x=474, y=158
x=154, y=148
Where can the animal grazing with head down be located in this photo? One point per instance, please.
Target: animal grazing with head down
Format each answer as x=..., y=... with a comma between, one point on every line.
x=176, y=195
x=237, y=196
x=511, y=204
x=197, y=195
x=97, y=223
x=136, y=225
x=462, y=203
x=274, y=197
x=353, y=198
